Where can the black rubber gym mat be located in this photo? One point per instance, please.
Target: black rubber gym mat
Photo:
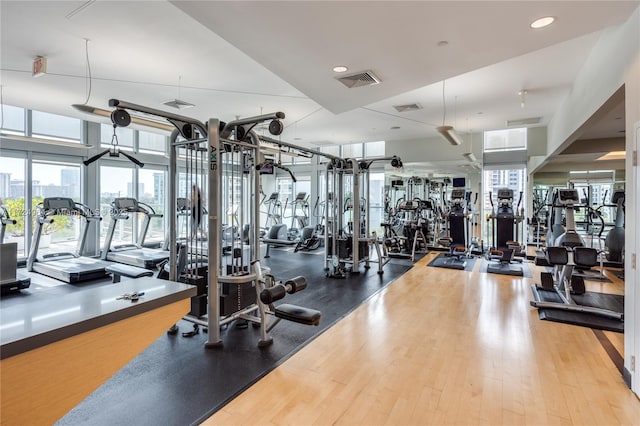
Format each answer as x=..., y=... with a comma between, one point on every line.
x=526, y=272
x=176, y=381
x=614, y=302
x=443, y=259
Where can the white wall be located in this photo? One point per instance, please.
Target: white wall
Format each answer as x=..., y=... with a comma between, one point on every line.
x=632, y=234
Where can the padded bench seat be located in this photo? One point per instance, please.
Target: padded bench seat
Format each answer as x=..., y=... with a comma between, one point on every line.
x=118, y=270
x=298, y=314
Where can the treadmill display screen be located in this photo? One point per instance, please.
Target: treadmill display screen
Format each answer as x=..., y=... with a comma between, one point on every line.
x=59, y=206
x=125, y=203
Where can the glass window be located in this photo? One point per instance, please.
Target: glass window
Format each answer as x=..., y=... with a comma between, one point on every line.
x=12, y=193
x=352, y=151
x=374, y=149
x=12, y=119
x=124, y=136
x=505, y=140
x=55, y=126
x=115, y=182
x=151, y=142
x=57, y=180
x=151, y=191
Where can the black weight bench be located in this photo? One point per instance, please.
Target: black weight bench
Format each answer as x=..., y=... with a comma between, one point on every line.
x=298, y=314
x=286, y=311
x=277, y=237
x=118, y=270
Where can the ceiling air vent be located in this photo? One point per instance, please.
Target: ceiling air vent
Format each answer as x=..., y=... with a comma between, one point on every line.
x=365, y=78
x=523, y=121
x=407, y=107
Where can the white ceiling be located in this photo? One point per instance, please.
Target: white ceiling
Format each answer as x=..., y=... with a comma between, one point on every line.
x=240, y=58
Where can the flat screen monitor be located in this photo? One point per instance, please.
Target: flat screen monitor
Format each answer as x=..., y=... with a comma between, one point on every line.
x=397, y=182
x=459, y=182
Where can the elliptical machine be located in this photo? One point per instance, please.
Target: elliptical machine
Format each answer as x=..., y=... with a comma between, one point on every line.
x=506, y=228
x=457, y=239
x=614, y=241
x=299, y=215
x=554, y=227
x=274, y=210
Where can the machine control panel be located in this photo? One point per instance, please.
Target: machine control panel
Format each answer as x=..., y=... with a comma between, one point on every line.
x=458, y=194
x=505, y=194
x=568, y=196
x=125, y=204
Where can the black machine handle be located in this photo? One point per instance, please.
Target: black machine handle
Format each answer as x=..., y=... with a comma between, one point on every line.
x=114, y=153
x=95, y=158
x=519, y=202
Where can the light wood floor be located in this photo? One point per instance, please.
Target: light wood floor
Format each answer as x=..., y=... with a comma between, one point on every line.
x=440, y=346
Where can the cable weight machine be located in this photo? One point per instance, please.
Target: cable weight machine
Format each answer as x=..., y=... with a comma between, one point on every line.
x=348, y=242
x=222, y=159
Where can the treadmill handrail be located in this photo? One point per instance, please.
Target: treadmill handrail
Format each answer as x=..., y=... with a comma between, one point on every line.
x=121, y=214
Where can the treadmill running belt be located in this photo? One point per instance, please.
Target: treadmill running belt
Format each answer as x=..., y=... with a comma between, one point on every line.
x=614, y=302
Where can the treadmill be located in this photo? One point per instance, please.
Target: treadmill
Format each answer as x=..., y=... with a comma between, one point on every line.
x=132, y=254
x=10, y=278
x=64, y=266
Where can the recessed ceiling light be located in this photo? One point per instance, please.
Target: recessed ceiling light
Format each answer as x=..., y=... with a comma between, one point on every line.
x=340, y=68
x=542, y=22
